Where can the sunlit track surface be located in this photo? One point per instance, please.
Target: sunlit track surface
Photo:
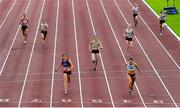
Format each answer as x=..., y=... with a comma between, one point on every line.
x=27, y=78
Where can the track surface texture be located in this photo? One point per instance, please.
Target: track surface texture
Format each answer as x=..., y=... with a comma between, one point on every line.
x=27, y=78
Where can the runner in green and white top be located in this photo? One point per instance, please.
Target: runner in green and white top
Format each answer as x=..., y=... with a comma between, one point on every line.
x=129, y=33
x=43, y=29
x=94, y=46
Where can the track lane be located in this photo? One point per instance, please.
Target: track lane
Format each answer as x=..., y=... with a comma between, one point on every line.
x=66, y=44
x=41, y=63
x=165, y=64
x=11, y=25
x=84, y=33
x=21, y=52
x=5, y=8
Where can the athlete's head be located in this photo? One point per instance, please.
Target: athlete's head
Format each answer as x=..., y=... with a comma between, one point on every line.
x=129, y=26
x=130, y=60
x=65, y=56
x=24, y=15
x=135, y=5
x=42, y=20
x=95, y=37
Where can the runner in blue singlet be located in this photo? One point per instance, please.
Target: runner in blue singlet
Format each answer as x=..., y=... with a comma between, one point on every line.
x=67, y=69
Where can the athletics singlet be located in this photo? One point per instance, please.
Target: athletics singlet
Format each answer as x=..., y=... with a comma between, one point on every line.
x=129, y=33
x=131, y=67
x=95, y=45
x=44, y=27
x=135, y=10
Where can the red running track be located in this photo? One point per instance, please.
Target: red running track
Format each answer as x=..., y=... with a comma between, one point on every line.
x=27, y=78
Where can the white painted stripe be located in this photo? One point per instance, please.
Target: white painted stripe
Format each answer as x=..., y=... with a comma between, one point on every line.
x=7, y=14
x=31, y=55
x=54, y=56
x=158, y=17
x=2, y=68
x=77, y=54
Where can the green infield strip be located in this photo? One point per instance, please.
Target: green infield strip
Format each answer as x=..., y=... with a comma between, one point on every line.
x=173, y=20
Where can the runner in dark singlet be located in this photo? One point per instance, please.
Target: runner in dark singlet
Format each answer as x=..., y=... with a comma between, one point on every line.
x=24, y=26
x=67, y=69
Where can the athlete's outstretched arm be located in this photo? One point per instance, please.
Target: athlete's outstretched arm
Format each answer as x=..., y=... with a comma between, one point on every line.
x=90, y=46
x=137, y=68
x=58, y=67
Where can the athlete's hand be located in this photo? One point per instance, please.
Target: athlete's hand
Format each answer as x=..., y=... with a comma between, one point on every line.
x=68, y=69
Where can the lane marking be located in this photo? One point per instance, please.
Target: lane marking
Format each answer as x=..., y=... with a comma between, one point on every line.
x=96, y=101
x=126, y=101
x=66, y=100
x=31, y=54
x=54, y=56
x=147, y=56
x=77, y=53
x=4, y=100
x=102, y=62
x=2, y=68
x=158, y=101
x=146, y=73
x=7, y=13
x=36, y=101
x=115, y=36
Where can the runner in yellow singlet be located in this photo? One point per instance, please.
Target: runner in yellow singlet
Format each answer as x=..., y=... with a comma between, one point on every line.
x=94, y=46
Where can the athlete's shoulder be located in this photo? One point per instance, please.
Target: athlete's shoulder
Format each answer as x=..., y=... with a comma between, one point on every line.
x=135, y=63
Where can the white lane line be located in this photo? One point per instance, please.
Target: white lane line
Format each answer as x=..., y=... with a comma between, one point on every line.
x=7, y=14
x=158, y=17
x=77, y=53
x=30, y=59
x=54, y=56
x=2, y=68
x=158, y=40
x=115, y=36
x=102, y=63
x=148, y=58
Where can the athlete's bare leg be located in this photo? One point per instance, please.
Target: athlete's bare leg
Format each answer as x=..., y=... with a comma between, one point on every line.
x=65, y=83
